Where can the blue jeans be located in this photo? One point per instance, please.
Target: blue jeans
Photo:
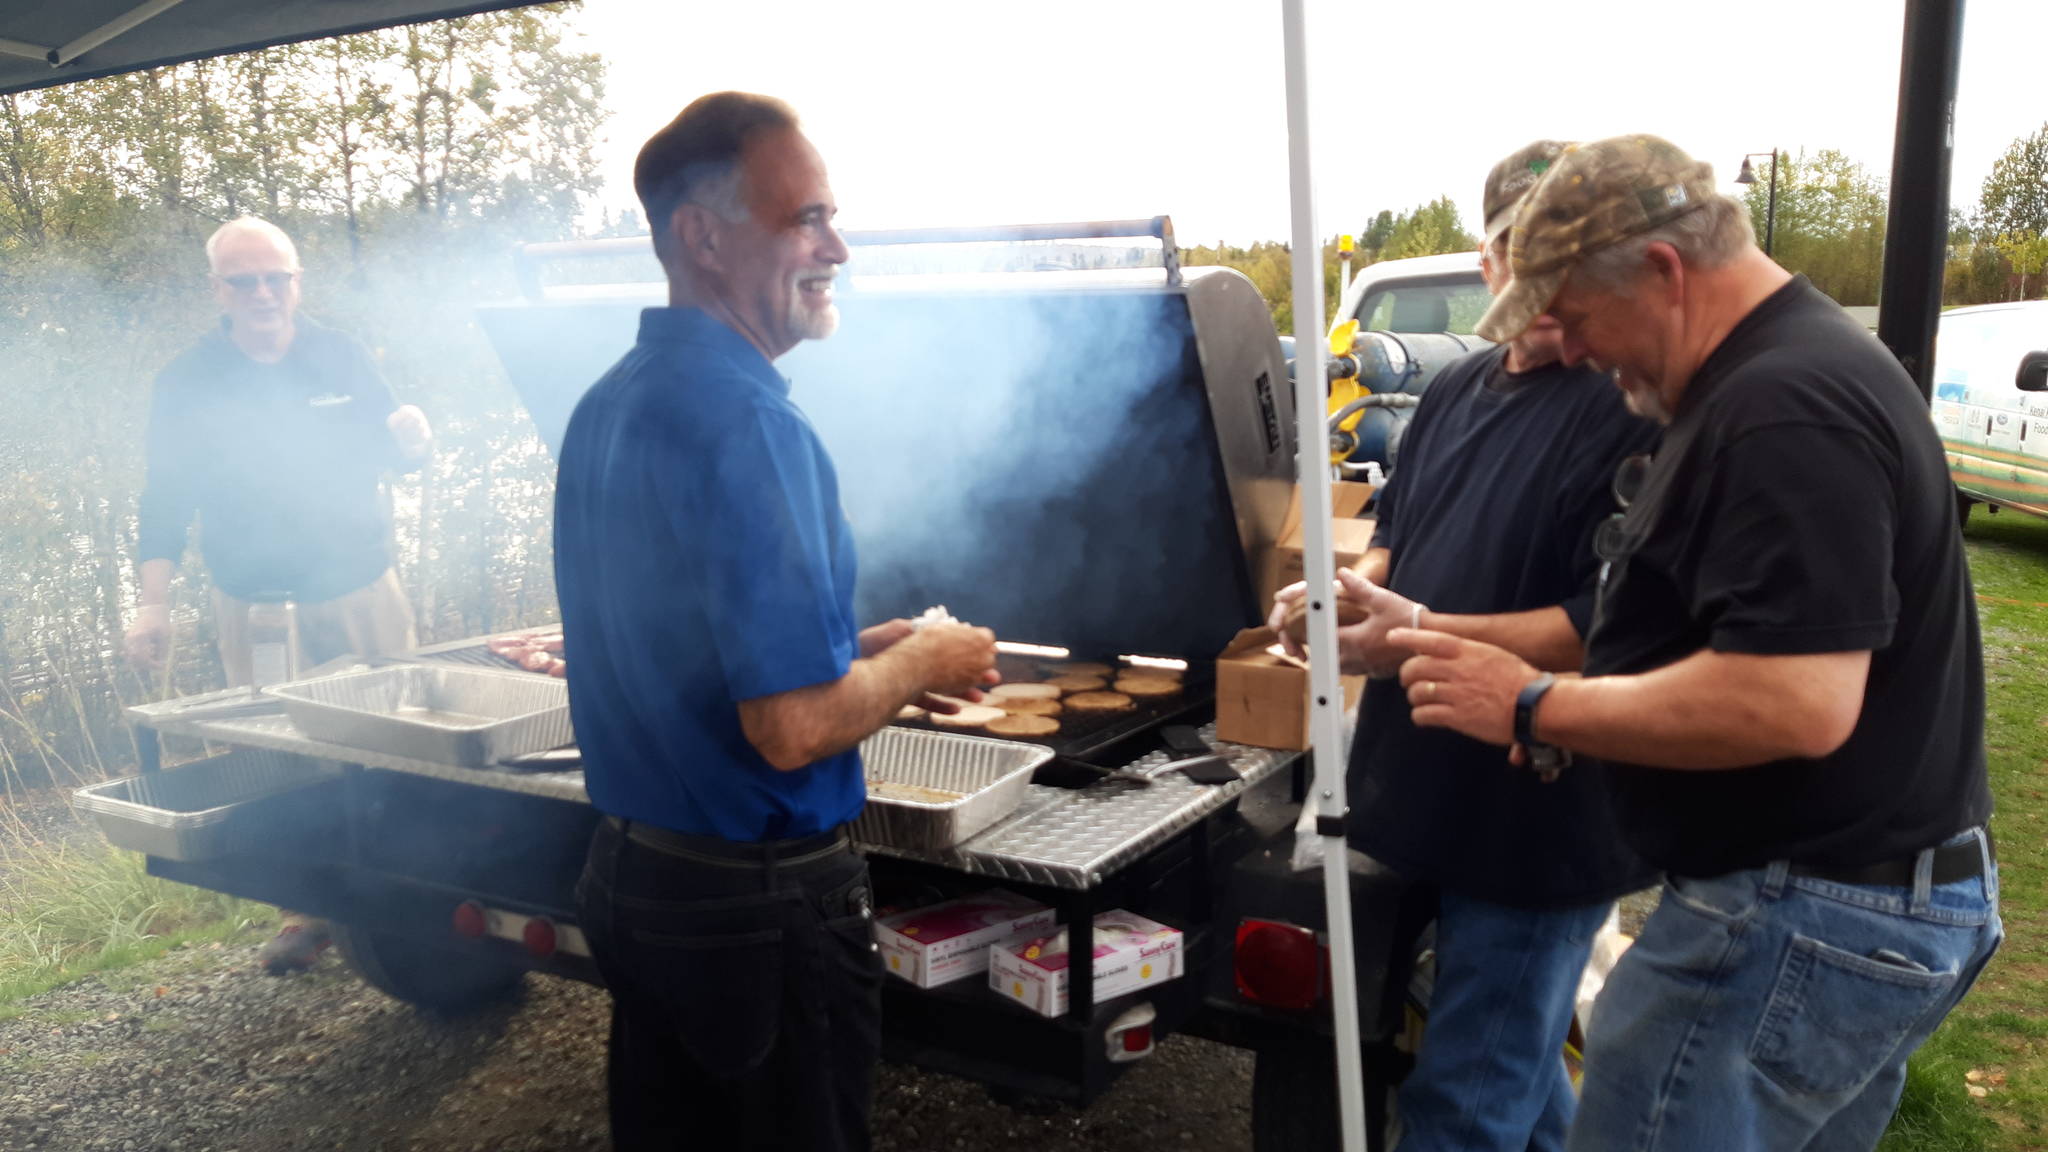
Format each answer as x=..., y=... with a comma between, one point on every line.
x=1769, y=1011
x=1491, y=1074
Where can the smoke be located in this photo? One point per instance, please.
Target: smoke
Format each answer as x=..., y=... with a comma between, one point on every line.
x=1036, y=456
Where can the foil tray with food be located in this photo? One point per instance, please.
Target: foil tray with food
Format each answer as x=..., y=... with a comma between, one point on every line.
x=928, y=791
x=444, y=715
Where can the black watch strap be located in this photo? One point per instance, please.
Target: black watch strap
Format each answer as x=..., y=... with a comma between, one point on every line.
x=1525, y=708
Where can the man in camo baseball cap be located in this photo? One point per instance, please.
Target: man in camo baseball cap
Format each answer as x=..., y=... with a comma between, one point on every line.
x=1589, y=197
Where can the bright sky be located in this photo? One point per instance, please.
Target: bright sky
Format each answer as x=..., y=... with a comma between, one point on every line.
x=943, y=112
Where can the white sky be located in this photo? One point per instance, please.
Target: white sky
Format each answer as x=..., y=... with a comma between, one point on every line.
x=956, y=112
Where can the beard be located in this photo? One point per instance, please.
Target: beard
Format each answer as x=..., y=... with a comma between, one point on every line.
x=1642, y=399
x=811, y=320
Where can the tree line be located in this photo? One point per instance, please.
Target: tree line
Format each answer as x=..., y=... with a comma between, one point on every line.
x=1828, y=223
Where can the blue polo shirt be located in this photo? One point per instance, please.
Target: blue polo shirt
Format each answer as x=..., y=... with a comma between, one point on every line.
x=701, y=559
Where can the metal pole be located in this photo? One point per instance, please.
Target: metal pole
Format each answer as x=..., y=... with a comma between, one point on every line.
x=1916, y=228
x=1771, y=208
x=141, y=14
x=1319, y=568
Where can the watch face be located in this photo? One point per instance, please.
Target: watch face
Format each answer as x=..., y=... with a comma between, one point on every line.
x=1547, y=758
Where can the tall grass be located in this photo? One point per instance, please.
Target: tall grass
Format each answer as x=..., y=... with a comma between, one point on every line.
x=70, y=906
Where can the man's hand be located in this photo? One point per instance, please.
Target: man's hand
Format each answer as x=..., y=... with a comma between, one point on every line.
x=958, y=661
x=1364, y=644
x=410, y=431
x=1362, y=648
x=1460, y=684
x=148, y=640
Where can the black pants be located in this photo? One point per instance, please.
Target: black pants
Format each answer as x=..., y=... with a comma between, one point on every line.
x=746, y=992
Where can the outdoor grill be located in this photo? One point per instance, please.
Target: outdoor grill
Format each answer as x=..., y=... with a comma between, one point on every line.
x=1080, y=460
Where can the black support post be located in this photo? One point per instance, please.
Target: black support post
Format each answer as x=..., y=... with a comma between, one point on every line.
x=1916, y=231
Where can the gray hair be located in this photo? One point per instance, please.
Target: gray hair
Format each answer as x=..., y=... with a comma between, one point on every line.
x=719, y=188
x=250, y=226
x=1709, y=237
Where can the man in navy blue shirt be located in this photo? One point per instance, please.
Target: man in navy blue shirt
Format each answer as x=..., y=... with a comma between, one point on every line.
x=1486, y=530
x=721, y=687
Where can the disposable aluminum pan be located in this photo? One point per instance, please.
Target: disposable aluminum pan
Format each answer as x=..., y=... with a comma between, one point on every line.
x=928, y=791
x=445, y=715
x=202, y=810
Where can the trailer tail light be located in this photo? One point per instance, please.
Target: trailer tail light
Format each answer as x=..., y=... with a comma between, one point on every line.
x=470, y=920
x=539, y=936
x=1278, y=965
x=1129, y=1036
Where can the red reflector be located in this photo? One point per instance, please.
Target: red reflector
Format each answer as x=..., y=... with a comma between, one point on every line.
x=469, y=920
x=1278, y=965
x=539, y=936
x=1138, y=1039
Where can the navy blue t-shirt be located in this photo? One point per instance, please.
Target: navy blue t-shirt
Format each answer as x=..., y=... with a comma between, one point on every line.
x=282, y=465
x=1501, y=482
x=701, y=559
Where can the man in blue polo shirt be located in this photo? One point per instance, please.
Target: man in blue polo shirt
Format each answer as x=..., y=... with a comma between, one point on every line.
x=720, y=686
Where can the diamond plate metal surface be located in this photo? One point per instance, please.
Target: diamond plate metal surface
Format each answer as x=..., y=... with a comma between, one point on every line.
x=1076, y=838
x=1057, y=837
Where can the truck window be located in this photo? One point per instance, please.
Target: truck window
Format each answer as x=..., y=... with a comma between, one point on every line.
x=1440, y=304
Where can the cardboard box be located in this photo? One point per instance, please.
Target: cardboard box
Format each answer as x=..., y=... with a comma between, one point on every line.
x=941, y=943
x=1262, y=698
x=1131, y=952
x=1349, y=537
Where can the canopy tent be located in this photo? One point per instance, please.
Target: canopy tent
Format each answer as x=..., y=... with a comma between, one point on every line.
x=47, y=44
x=51, y=44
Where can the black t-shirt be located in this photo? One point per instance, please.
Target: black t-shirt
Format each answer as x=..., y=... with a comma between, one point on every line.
x=1800, y=503
x=1501, y=481
x=281, y=463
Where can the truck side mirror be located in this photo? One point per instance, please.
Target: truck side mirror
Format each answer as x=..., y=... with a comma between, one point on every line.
x=2033, y=373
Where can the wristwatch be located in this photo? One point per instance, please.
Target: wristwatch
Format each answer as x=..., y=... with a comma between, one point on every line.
x=1546, y=759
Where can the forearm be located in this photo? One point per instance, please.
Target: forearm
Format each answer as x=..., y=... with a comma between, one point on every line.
x=1374, y=564
x=1709, y=711
x=807, y=725
x=1544, y=637
x=155, y=576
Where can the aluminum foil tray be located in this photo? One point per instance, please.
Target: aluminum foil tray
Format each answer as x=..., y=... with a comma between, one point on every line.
x=971, y=781
x=446, y=715
x=201, y=810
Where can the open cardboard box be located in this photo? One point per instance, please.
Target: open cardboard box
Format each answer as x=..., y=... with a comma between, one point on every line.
x=1262, y=698
x=1349, y=537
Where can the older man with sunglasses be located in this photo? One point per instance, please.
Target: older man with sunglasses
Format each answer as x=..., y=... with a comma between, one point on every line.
x=275, y=433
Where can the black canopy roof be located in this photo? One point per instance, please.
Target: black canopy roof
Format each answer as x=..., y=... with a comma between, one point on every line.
x=43, y=44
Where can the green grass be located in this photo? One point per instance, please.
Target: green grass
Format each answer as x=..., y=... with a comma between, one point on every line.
x=71, y=910
x=2001, y=1029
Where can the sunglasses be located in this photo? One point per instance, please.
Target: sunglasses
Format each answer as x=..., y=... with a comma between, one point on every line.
x=1628, y=482
x=247, y=282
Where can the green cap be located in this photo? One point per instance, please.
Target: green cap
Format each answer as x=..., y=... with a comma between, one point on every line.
x=1511, y=180
x=1594, y=196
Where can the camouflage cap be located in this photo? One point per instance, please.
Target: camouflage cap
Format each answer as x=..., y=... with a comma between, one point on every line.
x=1595, y=195
x=1512, y=178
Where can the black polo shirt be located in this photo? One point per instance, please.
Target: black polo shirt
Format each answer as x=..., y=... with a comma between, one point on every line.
x=1501, y=481
x=1800, y=503
x=282, y=464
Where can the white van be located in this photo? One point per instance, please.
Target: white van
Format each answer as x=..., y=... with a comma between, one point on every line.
x=1991, y=403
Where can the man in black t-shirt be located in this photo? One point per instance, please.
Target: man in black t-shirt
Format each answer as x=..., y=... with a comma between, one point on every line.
x=1784, y=672
x=275, y=433
x=1488, y=519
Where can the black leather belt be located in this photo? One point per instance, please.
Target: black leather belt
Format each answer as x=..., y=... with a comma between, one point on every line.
x=1952, y=862
x=733, y=853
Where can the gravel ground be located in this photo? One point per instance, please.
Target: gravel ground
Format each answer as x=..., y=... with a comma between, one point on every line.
x=200, y=1052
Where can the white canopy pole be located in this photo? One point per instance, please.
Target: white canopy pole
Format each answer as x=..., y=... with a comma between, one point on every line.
x=25, y=50
x=140, y=14
x=1319, y=568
